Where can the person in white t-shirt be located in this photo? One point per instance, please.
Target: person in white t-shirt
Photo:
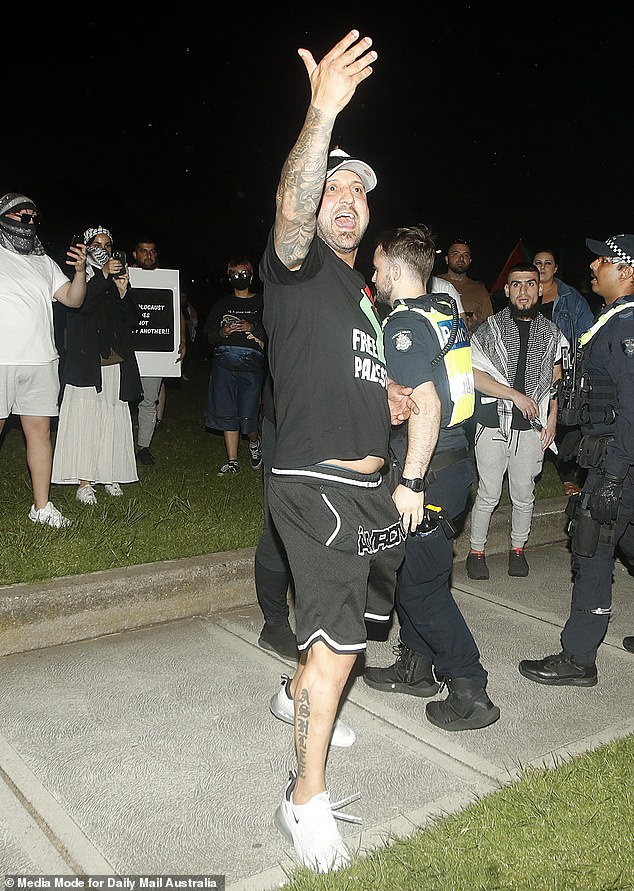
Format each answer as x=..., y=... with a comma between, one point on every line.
x=29, y=382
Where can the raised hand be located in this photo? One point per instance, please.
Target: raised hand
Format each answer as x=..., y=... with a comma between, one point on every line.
x=334, y=80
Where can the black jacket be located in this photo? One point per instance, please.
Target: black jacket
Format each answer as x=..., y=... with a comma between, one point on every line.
x=104, y=320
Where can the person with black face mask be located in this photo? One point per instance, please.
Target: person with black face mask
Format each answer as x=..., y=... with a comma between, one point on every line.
x=236, y=335
x=29, y=381
x=516, y=356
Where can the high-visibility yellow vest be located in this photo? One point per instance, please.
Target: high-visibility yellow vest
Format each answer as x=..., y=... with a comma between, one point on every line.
x=601, y=321
x=456, y=361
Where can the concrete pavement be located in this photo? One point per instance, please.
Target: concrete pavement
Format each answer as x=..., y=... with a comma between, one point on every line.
x=151, y=749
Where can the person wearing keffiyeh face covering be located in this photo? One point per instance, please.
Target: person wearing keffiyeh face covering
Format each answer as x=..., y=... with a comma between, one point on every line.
x=30, y=281
x=100, y=378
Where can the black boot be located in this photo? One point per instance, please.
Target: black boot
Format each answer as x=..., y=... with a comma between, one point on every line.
x=467, y=707
x=518, y=565
x=477, y=565
x=411, y=673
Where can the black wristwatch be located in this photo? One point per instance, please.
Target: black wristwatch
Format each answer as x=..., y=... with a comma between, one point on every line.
x=417, y=485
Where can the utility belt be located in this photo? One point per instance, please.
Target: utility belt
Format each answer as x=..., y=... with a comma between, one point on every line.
x=393, y=471
x=444, y=460
x=592, y=450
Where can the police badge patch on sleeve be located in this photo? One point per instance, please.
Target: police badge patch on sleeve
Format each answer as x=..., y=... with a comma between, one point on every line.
x=627, y=346
x=402, y=340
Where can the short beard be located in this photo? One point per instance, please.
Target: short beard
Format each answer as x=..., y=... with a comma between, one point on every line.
x=383, y=298
x=340, y=242
x=524, y=315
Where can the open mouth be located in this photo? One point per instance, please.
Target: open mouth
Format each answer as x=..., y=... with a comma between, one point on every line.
x=346, y=220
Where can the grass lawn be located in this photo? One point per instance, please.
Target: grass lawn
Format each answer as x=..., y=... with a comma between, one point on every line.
x=178, y=508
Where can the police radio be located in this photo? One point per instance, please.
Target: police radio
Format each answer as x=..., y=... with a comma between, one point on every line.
x=568, y=387
x=568, y=408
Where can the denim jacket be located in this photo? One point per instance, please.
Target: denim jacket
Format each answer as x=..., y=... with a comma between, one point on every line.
x=571, y=312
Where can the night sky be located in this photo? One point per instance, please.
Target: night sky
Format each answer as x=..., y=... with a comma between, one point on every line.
x=489, y=122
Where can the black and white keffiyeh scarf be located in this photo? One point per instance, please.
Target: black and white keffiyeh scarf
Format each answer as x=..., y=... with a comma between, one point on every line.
x=495, y=349
x=17, y=237
x=96, y=255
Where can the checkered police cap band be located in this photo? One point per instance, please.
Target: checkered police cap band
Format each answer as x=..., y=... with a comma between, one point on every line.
x=619, y=248
x=618, y=251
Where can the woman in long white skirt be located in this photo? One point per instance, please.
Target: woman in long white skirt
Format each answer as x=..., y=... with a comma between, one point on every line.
x=95, y=442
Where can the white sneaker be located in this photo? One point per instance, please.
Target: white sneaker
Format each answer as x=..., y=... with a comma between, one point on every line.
x=113, y=489
x=312, y=830
x=49, y=516
x=86, y=495
x=255, y=453
x=282, y=706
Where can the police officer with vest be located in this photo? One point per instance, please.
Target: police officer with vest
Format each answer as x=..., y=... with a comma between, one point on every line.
x=427, y=348
x=602, y=517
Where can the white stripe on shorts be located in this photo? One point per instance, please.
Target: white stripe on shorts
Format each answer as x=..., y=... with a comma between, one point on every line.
x=340, y=648
x=374, y=618
x=364, y=484
x=337, y=518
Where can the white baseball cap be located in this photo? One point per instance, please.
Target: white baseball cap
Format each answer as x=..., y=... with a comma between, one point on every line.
x=340, y=160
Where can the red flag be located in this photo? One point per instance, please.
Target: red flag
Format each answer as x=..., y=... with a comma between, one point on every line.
x=519, y=254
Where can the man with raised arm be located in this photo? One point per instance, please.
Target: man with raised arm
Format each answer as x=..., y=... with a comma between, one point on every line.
x=337, y=520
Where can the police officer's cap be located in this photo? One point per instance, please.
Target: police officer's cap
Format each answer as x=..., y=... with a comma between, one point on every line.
x=621, y=246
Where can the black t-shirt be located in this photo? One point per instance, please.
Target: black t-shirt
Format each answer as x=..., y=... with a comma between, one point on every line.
x=488, y=412
x=546, y=309
x=410, y=347
x=325, y=351
x=244, y=350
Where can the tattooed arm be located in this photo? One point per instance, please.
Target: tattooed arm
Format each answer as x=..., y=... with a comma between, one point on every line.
x=332, y=84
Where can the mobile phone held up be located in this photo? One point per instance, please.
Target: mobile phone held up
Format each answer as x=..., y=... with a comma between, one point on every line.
x=74, y=242
x=121, y=257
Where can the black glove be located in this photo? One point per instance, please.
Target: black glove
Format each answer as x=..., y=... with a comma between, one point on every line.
x=603, y=503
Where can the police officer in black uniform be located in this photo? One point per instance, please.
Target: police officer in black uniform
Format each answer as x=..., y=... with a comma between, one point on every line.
x=602, y=517
x=431, y=353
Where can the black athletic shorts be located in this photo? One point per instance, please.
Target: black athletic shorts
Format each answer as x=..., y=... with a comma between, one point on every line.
x=345, y=541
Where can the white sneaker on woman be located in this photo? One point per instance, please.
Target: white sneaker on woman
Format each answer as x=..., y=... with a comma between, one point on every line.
x=49, y=516
x=86, y=495
x=113, y=489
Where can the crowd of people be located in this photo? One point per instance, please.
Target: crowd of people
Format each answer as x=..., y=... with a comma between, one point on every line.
x=96, y=386
x=364, y=490
x=369, y=409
